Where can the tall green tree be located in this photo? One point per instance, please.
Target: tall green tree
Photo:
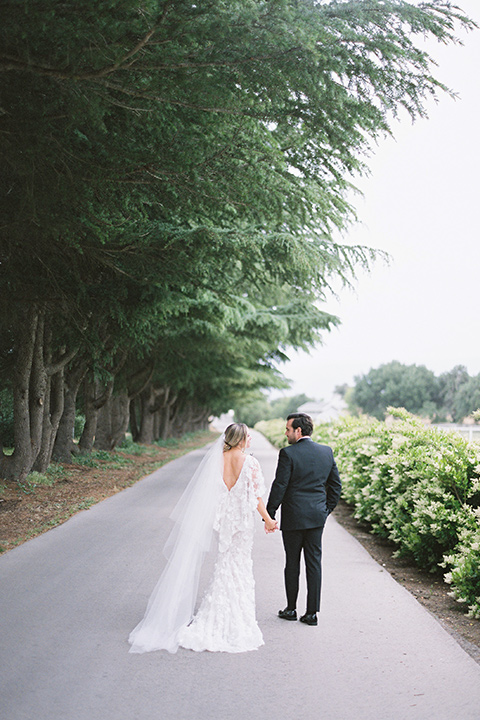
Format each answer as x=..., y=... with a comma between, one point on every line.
x=150, y=148
x=467, y=399
x=450, y=385
x=412, y=387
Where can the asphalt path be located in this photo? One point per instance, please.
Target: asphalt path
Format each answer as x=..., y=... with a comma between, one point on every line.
x=69, y=598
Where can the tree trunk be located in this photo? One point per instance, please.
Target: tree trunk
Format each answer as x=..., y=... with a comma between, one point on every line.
x=64, y=445
x=182, y=420
x=156, y=425
x=89, y=429
x=112, y=422
x=54, y=399
x=156, y=409
x=147, y=408
x=39, y=389
x=103, y=430
x=52, y=413
x=133, y=419
x=137, y=383
x=120, y=418
x=199, y=419
x=95, y=397
x=166, y=414
x=31, y=391
x=18, y=465
x=189, y=417
x=175, y=429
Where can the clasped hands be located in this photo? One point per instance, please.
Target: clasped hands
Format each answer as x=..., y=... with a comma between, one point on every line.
x=271, y=526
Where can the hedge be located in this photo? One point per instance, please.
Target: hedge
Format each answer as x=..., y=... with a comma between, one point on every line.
x=414, y=485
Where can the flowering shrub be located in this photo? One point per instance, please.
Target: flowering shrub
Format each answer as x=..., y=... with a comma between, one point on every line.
x=464, y=575
x=416, y=486
x=274, y=431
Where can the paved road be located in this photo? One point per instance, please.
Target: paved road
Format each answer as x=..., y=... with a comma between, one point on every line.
x=69, y=598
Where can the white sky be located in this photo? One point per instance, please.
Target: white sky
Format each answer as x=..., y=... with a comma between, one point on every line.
x=421, y=204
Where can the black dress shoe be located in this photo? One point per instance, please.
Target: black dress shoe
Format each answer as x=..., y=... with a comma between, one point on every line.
x=309, y=619
x=287, y=614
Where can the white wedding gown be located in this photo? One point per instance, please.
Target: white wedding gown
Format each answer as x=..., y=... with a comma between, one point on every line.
x=225, y=620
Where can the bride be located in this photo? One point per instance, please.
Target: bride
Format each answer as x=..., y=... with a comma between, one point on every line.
x=219, y=501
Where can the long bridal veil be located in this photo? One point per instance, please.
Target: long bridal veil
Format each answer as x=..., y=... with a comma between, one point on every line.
x=172, y=601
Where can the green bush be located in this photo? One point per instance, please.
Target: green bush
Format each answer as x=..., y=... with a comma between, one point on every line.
x=369, y=477
x=79, y=425
x=274, y=431
x=412, y=483
x=416, y=486
x=464, y=575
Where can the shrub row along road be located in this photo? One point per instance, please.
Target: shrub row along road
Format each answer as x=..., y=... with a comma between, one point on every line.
x=70, y=597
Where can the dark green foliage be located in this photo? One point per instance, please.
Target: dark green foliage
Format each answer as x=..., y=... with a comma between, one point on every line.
x=450, y=385
x=143, y=133
x=172, y=174
x=410, y=386
x=452, y=396
x=467, y=399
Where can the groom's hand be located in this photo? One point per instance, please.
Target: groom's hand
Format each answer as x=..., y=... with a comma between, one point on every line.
x=271, y=526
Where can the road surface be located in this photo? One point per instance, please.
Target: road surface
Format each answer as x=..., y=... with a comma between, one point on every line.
x=69, y=598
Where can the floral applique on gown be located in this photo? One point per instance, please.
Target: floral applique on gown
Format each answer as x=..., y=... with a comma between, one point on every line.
x=225, y=620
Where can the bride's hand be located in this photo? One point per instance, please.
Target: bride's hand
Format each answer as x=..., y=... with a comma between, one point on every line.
x=271, y=525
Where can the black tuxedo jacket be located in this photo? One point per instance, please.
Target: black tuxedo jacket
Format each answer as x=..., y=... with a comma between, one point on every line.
x=307, y=485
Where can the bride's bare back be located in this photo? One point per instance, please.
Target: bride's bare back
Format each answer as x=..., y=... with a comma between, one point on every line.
x=232, y=466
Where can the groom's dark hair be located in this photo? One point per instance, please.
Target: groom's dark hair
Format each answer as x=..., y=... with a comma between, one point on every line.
x=302, y=421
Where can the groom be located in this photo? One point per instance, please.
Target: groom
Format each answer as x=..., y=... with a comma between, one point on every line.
x=307, y=486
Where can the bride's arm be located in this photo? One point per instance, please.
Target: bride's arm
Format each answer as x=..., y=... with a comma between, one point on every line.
x=270, y=524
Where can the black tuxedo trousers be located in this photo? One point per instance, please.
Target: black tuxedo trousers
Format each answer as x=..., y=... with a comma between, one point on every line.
x=310, y=541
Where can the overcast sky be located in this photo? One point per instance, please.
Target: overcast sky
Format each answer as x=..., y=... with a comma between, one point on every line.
x=421, y=204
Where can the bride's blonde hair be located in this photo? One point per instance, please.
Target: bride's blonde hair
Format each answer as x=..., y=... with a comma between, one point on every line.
x=234, y=435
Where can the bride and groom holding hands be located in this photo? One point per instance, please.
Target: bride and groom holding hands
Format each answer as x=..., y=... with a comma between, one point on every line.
x=220, y=502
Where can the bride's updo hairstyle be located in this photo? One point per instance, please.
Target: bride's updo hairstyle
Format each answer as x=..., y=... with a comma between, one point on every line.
x=234, y=435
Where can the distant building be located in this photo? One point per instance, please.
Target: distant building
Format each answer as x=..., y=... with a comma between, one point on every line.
x=325, y=410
